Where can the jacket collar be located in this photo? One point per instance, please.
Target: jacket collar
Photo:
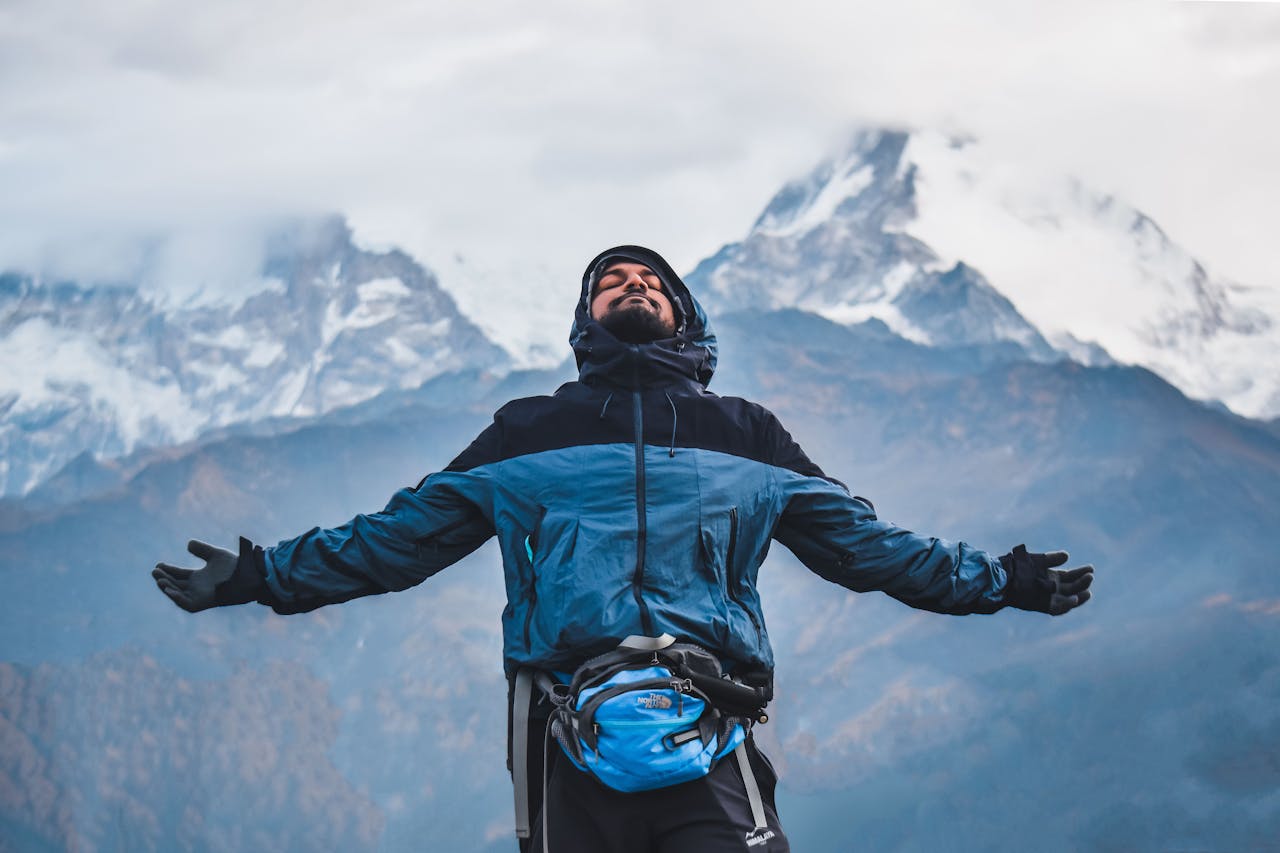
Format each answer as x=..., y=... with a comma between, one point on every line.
x=603, y=359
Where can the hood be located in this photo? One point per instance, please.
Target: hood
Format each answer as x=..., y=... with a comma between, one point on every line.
x=690, y=353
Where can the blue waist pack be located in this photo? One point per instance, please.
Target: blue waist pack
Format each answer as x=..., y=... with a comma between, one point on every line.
x=651, y=713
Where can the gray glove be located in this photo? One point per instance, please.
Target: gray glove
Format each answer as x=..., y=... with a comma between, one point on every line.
x=1034, y=585
x=225, y=579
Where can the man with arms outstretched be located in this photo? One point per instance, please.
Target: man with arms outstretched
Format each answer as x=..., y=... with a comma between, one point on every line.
x=632, y=502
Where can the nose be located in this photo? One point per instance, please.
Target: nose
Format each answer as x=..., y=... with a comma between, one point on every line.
x=635, y=280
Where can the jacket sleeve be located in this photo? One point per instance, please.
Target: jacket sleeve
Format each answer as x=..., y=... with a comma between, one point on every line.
x=420, y=531
x=839, y=537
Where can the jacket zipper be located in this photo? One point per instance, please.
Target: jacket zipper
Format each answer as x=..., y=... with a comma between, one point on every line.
x=733, y=541
x=637, y=580
x=729, y=584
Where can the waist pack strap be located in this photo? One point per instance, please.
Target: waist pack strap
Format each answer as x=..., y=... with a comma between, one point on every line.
x=731, y=697
x=642, y=643
x=520, y=702
x=753, y=788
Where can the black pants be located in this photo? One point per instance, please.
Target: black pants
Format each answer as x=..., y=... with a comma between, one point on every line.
x=707, y=815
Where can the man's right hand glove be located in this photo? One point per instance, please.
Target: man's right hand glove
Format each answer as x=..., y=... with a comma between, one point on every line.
x=1034, y=585
x=225, y=578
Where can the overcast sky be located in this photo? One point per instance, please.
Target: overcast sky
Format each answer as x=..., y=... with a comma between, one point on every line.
x=528, y=136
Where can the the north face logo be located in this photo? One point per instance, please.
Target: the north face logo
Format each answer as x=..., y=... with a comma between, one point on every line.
x=654, y=700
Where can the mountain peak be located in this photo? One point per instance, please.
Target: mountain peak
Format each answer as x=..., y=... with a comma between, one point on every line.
x=835, y=187
x=899, y=223
x=833, y=243
x=1083, y=265
x=322, y=325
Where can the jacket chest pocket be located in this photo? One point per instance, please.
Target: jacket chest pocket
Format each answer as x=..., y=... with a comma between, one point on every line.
x=722, y=555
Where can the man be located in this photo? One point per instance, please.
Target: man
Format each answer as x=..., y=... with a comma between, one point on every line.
x=632, y=502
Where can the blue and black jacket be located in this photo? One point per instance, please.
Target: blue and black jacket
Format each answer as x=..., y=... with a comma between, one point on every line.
x=631, y=501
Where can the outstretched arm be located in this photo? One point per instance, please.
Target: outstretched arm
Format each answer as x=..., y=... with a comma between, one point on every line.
x=418, y=533
x=839, y=537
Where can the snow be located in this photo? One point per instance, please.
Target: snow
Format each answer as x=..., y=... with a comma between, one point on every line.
x=339, y=392
x=257, y=353
x=849, y=314
x=288, y=393
x=897, y=279
x=232, y=337
x=263, y=354
x=369, y=314
x=333, y=323
x=1080, y=265
x=382, y=288
x=113, y=369
x=878, y=304
x=400, y=353
x=217, y=377
x=849, y=182
x=228, y=293
x=59, y=366
x=378, y=302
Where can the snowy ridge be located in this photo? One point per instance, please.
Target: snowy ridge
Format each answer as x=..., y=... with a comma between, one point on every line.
x=1082, y=265
x=110, y=369
x=832, y=243
x=948, y=244
x=848, y=180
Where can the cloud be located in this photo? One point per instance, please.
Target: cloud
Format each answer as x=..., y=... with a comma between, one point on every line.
x=506, y=134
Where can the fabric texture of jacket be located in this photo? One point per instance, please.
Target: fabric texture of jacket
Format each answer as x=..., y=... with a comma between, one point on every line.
x=631, y=501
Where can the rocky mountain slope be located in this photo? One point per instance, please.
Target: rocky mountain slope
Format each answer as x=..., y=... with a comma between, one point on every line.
x=107, y=369
x=947, y=243
x=932, y=235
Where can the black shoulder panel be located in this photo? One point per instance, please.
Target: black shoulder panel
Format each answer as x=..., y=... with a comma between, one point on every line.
x=486, y=448
x=785, y=453
x=677, y=417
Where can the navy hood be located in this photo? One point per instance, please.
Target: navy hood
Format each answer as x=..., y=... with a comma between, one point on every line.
x=690, y=353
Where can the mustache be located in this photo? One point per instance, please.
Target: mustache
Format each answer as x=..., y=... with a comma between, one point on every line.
x=630, y=294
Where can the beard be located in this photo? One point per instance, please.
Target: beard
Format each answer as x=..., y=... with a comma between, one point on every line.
x=636, y=324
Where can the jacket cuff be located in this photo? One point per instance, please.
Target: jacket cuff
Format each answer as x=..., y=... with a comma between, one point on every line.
x=1026, y=586
x=249, y=580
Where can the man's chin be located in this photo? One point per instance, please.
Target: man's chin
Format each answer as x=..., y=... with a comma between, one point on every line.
x=636, y=324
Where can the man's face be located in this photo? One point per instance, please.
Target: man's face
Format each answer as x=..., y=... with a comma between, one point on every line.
x=629, y=301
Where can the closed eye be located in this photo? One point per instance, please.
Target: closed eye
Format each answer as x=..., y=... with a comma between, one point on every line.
x=613, y=279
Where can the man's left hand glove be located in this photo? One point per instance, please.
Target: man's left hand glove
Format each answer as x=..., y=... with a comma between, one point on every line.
x=225, y=579
x=1034, y=585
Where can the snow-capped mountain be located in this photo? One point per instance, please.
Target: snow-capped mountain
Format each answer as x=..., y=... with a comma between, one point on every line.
x=109, y=369
x=944, y=242
x=949, y=244
x=835, y=244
